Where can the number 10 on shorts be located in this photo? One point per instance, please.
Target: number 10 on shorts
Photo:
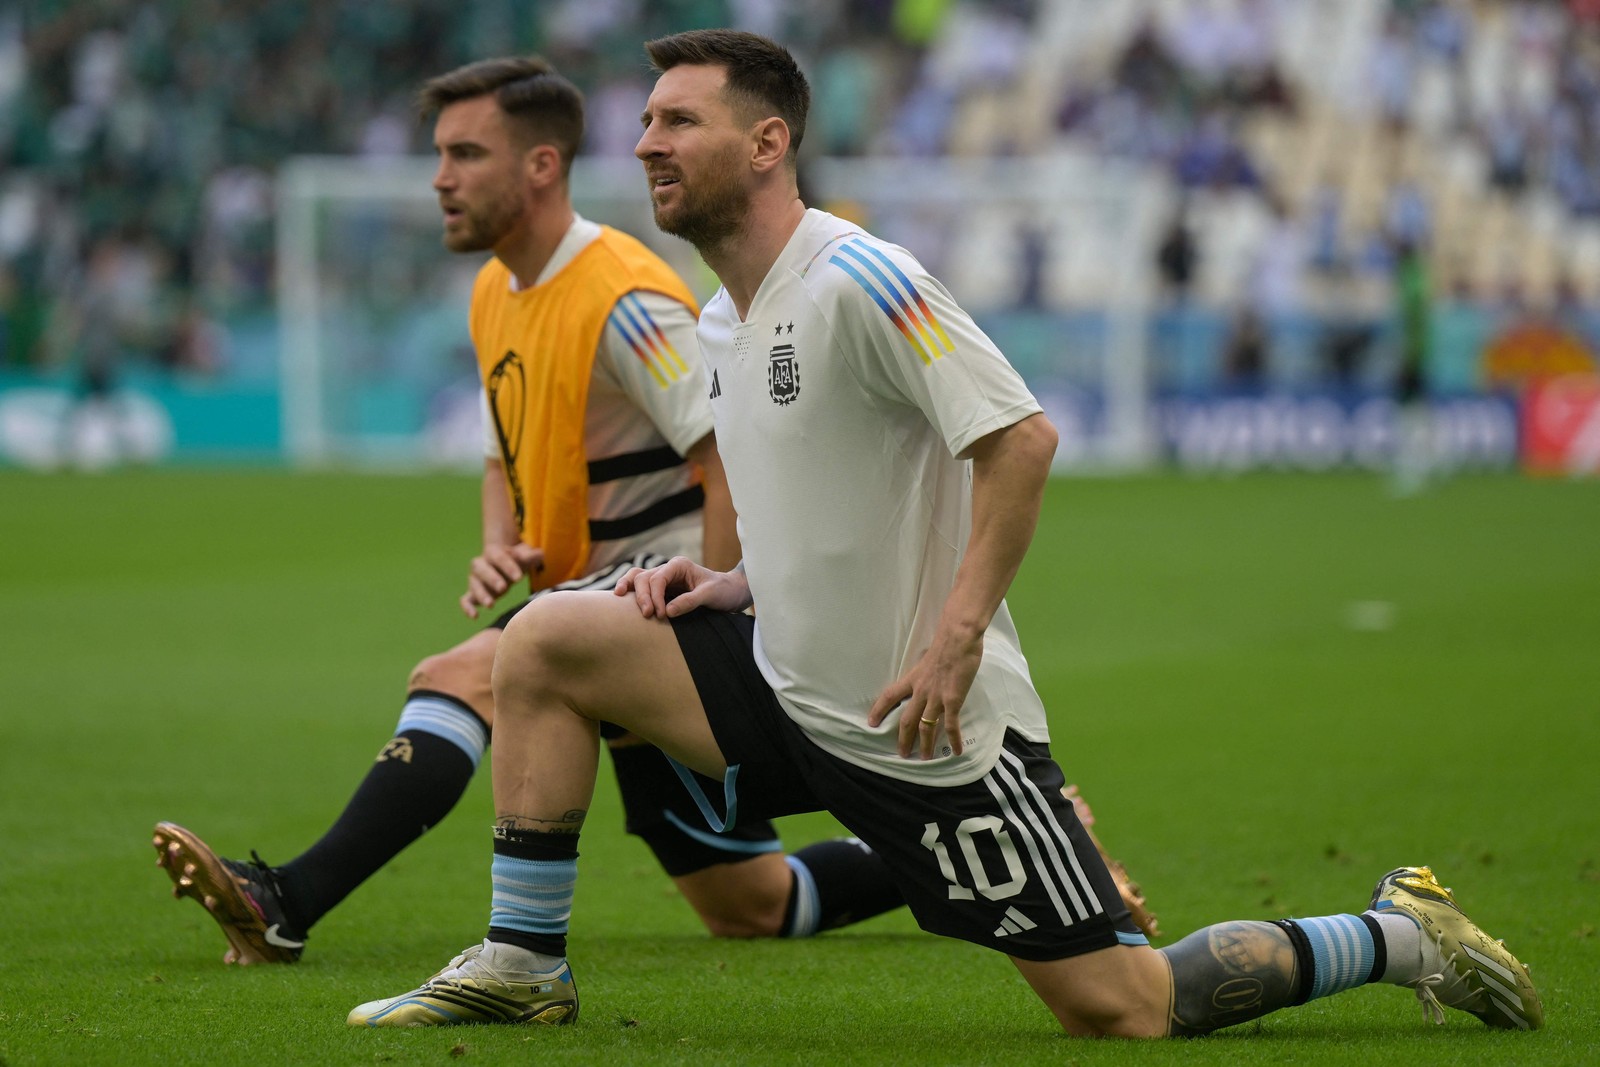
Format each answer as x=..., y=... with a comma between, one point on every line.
x=967, y=831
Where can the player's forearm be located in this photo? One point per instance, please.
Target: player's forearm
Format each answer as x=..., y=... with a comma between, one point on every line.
x=1009, y=470
x=499, y=518
x=720, y=550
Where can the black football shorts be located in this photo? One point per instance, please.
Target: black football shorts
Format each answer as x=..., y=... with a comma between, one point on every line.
x=1002, y=862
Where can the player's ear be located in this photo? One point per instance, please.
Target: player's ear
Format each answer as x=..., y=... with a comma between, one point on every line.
x=771, y=143
x=542, y=164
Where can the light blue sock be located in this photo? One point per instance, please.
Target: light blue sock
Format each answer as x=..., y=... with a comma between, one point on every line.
x=447, y=718
x=532, y=896
x=805, y=908
x=1342, y=948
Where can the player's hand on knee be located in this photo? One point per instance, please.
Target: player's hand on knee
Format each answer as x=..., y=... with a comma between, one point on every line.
x=499, y=567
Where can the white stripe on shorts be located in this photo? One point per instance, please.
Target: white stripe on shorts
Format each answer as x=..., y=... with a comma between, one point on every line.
x=608, y=577
x=1043, y=806
x=1033, y=818
x=1030, y=843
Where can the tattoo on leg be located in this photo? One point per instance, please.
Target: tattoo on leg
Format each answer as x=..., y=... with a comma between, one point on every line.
x=569, y=823
x=1230, y=973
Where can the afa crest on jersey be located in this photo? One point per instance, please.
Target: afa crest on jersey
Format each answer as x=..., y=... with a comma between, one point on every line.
x=783, y=375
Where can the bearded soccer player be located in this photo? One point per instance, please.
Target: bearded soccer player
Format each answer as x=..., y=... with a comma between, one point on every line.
x=887, y=465
x=599, y=458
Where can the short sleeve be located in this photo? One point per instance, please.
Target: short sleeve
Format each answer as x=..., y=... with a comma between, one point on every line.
x=649, y=349
x=491, y=442
x=907, y=339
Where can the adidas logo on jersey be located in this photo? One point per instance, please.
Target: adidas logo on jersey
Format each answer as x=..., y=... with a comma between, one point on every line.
x=1014, y=922
x=716, y=389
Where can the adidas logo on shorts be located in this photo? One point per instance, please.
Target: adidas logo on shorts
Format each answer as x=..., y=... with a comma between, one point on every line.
x=1014, y=922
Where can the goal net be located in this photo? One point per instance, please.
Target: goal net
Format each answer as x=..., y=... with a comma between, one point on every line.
x=1049, y=255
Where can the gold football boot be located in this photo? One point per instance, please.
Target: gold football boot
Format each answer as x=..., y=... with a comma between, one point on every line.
x=471, y=989
x=1465, y=968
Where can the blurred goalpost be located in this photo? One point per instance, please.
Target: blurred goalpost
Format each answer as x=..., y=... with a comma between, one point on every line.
x=376, y=366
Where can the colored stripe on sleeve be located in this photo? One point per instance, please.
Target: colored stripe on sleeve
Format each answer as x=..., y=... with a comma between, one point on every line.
x=634, y=323
x=896, y=296
x=927, y=312
x=884, y=305
x=656, y=334
x=857, y=251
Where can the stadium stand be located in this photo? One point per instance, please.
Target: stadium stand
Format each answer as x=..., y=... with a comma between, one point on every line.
x=1302, y=141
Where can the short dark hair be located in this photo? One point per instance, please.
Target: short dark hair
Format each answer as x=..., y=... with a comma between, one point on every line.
x=763, y=78
x=541, y=104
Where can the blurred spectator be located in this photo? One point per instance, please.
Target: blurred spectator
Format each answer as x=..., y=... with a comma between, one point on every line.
x=1203, y=39
x=1349, y=333
x=1177, y=257
x=1147, y=68
x=1392, y=73
x=845, y=92
x=1244, y=356
x=1413, y=305
x=1507, y=141
x=1275, y=287
x=1325, y=227
x=1211, y=156
x=1407, y=219
x=1537, y=30
x=1033, y=251
x=1444, y=32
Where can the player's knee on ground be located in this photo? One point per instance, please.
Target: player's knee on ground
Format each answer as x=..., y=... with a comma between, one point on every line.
x=1096, y=1014
x=462, y=672
x=741, y=900
x=1117, y=992
x=745, y=922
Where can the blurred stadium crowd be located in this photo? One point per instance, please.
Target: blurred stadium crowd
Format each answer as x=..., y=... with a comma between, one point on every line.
x=1336, y=157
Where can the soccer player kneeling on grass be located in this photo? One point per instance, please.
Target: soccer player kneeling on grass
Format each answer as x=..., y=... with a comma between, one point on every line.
x=598, y=456
x=887, y=466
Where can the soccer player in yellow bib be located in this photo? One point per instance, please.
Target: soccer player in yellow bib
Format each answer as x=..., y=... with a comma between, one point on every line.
x=888, y=467
x=599, y=457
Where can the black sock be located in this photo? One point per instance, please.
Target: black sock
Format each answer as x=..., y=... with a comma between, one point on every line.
x=837, y=883
x=1305, y=959
x=417, y=779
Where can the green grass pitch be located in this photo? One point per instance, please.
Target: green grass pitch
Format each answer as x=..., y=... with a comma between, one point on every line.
x=1272, y=688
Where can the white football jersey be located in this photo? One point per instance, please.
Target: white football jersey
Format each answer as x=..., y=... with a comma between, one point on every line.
x=842, y=404
x=634, y=410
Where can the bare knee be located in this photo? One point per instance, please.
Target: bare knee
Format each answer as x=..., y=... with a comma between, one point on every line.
x=594, y=655
x=747, y=925
x=1098, y=1017
x=757, y=915
x=748, y=899
x=1115, y=992
x=462, y=672
x=543, y=644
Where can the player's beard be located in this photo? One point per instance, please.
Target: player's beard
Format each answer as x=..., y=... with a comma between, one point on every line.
x=710, y=210
x=480, y=229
